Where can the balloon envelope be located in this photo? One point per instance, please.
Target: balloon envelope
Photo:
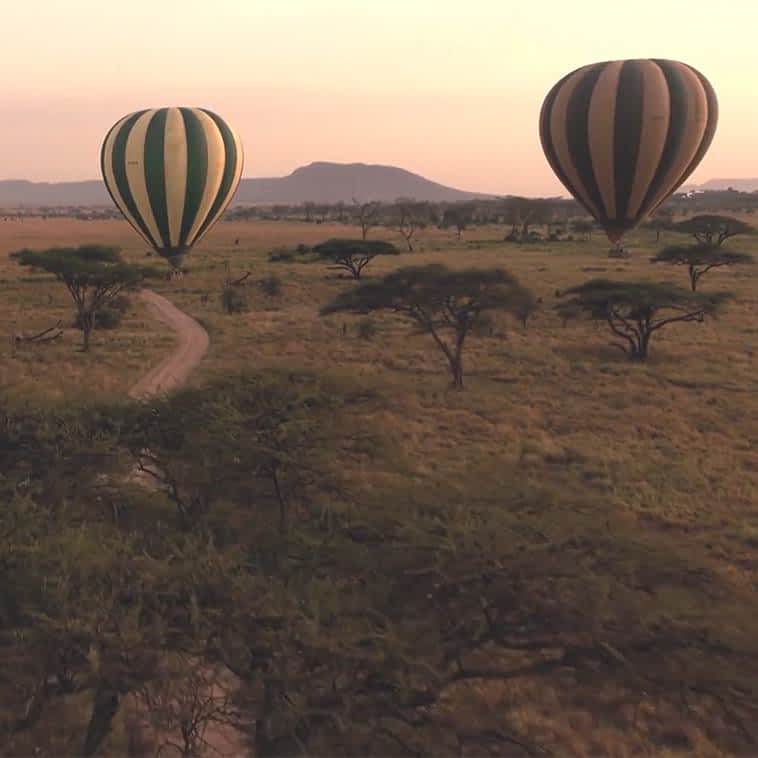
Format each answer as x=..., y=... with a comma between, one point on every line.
x=172, y=172
x=622, y=136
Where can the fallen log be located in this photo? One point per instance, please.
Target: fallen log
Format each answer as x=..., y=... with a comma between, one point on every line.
x=47, y=335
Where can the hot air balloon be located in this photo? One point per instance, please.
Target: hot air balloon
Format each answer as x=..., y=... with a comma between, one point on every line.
x=622, y=136
x=171, y=172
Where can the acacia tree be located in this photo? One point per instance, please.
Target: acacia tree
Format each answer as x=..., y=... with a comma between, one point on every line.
x=526, y=305
x=713, y=230
x=367, y=216
x=660, y=221
x=411, y=216
x=459, y=216
x=94, y=275
x=353, y=255
x=583, y=226
x=700, y=259
x=523, y=212
x=438, y=301
x=634, y=311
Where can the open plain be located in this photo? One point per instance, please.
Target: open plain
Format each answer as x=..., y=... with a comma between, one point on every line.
x=643, y=478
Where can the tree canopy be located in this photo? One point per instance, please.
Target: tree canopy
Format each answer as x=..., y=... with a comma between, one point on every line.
x=411, y=216
x=370, y=624
x=634, y=311
x=438, y=299
x=712, y=230
x=353, y=255
x=458, y=216
x=700, y=259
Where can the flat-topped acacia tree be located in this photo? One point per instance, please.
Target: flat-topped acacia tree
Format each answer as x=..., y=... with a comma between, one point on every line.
x=94, y=275
x=712, y=230
x=634, y=311
x=700, y=259
x=353, y=255
x=439, y=301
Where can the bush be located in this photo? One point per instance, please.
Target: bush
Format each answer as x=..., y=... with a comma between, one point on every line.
x=233, y=301
x=367, y=329
x=271, y=285
x=281, y=256
x=286, y=255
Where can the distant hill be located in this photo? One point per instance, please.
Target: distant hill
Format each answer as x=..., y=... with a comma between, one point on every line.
x=317, y=182
x=741, y=185
x=341, y=182
x=17, y=192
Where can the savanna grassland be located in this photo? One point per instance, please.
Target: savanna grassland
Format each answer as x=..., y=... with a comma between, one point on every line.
x=614, y=504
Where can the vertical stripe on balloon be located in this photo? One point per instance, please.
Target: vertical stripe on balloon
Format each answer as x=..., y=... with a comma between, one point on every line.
x=546, y=115
x=106, y=167
x=655, y=123
x=559, y=119
x=135, y=174
x=175, y=166
x=232, y=172
x=688, y=93
x=197, y=168
x=710, y=129
x=577, y=114
x=121, y=178
x=600, y=134
x=215, y=160
x=627, y=126
x=155, y=177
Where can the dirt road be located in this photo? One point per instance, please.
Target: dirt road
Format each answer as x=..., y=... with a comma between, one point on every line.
x=170, y=374
x=173, y=370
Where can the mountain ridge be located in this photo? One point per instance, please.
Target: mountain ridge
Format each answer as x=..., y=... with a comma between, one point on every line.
x=318, y=182
x=741, y=185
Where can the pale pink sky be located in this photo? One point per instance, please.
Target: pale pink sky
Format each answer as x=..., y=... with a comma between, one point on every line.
x=450, y=89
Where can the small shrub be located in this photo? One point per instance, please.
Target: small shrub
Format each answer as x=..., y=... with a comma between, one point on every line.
x=233, y=301
x=281, y=256
x=289, y=255
x=367, y=329
x=271, y=285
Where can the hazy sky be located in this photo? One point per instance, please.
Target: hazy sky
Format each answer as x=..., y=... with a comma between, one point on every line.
x=448, y=88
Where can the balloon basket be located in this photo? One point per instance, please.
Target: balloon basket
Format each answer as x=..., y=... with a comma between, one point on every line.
x=619, y=251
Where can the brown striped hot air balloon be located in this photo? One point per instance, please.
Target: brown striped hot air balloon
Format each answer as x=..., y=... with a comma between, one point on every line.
x=622, y=136
x=172, y=172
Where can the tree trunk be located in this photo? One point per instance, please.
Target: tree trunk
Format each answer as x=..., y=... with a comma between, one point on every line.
x=86, y=331
x=104, y=710
x=275, y=731
x=643, y=346
x=456, y=371
x=283, y=525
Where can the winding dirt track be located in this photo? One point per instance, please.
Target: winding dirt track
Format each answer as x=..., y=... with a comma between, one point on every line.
x=173, y=370
x=170, y=374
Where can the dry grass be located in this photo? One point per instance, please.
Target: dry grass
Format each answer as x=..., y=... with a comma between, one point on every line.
x=671, y=443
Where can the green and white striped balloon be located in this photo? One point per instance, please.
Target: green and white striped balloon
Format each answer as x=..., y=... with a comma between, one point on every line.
x=172, y=172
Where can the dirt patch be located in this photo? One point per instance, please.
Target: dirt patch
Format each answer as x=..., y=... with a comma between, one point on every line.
x=174, y=370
